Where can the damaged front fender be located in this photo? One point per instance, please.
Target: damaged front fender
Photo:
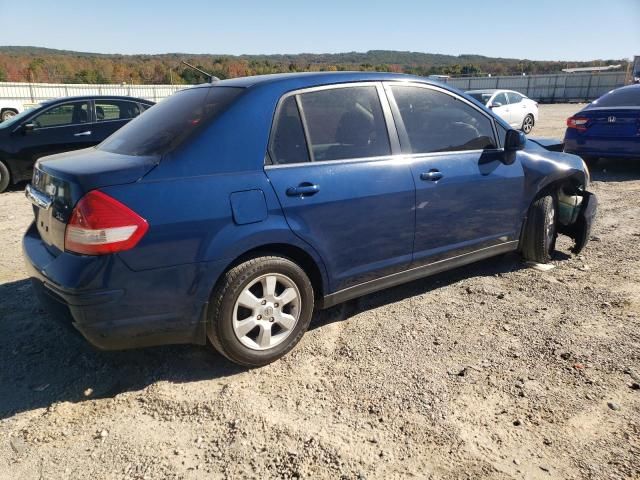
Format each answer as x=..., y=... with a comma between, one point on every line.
x=576, y=216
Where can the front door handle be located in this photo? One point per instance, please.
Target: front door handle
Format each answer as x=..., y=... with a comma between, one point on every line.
x=304, y=189
x=433, y=175
x=82, y=134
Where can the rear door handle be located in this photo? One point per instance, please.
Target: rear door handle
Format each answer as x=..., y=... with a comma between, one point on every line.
x=303, y=189
x=433, y=175
x=82, y=134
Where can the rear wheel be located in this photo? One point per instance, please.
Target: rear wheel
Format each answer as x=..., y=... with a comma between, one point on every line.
x=540, y=233
x=260, y=310
x=527, y=123
x=5, y=177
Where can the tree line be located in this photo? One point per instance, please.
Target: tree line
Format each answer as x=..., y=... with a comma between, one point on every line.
x=41, y=65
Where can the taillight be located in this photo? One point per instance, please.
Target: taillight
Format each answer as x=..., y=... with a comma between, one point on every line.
x=579, y=123
x=100, y=225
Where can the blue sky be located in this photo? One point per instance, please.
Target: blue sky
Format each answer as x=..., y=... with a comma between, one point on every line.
x=534, y=29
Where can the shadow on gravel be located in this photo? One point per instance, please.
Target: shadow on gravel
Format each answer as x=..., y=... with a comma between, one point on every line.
x=616, y=170
x=502, y=264
x=42, y=363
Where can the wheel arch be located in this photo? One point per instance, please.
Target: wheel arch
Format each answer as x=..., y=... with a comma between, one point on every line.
x=311, y=264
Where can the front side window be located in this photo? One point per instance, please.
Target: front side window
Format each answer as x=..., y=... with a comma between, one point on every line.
x=499, y=100
x=107, y=110
x=61, y=115
x=288, y=144
x=515, y=97
x=171, y=122
x=345, y=123
x=438, y=122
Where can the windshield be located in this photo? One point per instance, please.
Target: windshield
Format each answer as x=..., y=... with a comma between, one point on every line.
x=622, y=97
x=169, y=123
x=483, y=98
x=17, y=118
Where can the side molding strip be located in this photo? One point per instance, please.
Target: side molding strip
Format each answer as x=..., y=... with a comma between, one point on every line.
x=415, y=273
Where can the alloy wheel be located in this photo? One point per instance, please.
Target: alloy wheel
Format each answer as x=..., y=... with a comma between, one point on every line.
x=527, y=126
x=266, y=311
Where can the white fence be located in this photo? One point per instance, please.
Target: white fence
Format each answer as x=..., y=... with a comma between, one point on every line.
x=33, y=93
x=568, y=87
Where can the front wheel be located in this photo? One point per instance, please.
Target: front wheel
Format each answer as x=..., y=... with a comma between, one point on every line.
x=260, y=310
x=539, y=240
x=527, y=123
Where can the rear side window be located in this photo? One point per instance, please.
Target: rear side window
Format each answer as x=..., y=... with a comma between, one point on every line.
x=438, y=122
x=172, y=121
x=345, y=123
x=116, y=110
x=288, y=144
x=622, y=97
x=514, y=97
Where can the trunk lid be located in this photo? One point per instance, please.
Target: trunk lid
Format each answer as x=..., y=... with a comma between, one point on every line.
x=612, y=122
x=59, y=181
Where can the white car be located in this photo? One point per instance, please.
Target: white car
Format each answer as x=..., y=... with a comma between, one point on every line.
x=9, y=108
x=514, y=108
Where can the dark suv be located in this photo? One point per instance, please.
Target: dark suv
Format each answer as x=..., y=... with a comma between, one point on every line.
x=230, y=211
x=58, y=126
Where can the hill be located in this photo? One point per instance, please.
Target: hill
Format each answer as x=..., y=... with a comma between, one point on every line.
x=39, y=64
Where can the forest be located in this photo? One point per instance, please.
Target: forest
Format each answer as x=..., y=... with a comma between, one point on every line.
x=43, y=65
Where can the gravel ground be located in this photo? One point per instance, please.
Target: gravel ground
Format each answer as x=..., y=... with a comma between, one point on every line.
x=490, y=371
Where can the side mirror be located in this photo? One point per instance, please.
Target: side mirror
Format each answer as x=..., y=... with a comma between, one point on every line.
x=495, y=104
x=515, y=140
x=28, y=127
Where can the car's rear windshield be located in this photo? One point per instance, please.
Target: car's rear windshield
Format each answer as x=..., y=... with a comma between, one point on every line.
x=168, y=124
x=483, y=98
x=622, y=97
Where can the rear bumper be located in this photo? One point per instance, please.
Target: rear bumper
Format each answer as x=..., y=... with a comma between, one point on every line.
x=603, y=147
x=114, y=307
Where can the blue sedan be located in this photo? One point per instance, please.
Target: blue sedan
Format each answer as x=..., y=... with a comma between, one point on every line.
x=607, y=127
x=231, y=211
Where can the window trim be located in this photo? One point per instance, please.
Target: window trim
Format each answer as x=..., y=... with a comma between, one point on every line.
x=37, y=114
x=402, y=131
x=394, y=143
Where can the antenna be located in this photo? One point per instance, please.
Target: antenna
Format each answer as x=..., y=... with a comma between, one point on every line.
x=211, y=78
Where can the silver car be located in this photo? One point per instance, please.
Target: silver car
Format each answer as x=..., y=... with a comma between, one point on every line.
x=514, y=108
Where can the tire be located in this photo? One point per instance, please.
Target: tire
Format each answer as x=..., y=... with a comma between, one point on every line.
x=258, y=329
x=5, y=177
x=539, y=240
x=7, y=114
x=527, y=124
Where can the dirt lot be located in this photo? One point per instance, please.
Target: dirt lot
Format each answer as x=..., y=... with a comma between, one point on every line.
x=491, y=371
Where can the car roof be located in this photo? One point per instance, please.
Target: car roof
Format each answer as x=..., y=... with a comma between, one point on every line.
x=312, y=79
x=95, y=97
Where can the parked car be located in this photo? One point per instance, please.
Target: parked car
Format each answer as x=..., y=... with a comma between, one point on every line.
x=10, y=108
x=514, y=108
x=231, y=211
x=58, y=126
x=607, y=127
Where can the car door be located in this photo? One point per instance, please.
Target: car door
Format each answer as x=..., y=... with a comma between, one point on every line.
x=340, y=188
x=500, y=106
x=59, y=128
x=467, y=197
x=517, y=109
x=112, y=114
